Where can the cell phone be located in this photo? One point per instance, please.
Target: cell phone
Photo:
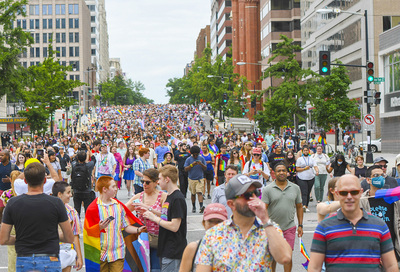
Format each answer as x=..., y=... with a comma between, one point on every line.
x=136, y=201
x=110, y=218
x=40, y=152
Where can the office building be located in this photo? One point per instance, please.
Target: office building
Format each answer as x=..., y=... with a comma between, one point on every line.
x=220, y=28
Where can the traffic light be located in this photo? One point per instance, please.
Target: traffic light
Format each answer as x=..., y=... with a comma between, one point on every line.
x=324, y=63
x=225, y=98
x=90, y=90
x=377, y=97
x=63, y=116
x=100, y=88
x=254, y=103
x=370, y=72
x=368, y=96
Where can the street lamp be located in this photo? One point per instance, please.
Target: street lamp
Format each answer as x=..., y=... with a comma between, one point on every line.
x=369, y=157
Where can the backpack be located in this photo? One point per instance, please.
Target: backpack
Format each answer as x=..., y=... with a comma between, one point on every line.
x=80, y=178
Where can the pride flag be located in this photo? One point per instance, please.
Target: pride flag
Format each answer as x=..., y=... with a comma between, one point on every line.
x=321, y=140
x=303, y=251
x=119, y=112
x=91, y=240
x=389, y=195
x=142, y=247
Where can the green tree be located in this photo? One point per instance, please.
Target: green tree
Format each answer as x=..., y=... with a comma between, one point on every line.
x=333, y=108
x=13, y=42
x=289, y=98
x=118, y=91
x=47, y=90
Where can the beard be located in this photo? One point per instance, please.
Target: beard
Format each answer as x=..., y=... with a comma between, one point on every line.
x=244, y=210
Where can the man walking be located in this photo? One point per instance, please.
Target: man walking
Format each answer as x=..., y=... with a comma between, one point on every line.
x=390, y=182
x=244, y=242
x=6, y=167
x=195, y=165
x=36, y=217
x=283, y=199
x=180, y=157
x=351, y=238
x=218, y=194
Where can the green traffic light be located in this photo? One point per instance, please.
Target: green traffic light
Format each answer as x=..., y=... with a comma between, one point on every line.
x=324, y=69
x=243, y=113
x=370, y=78
x=224, y=101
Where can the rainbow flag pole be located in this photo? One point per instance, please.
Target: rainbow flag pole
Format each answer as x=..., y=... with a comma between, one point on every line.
x=303, y=251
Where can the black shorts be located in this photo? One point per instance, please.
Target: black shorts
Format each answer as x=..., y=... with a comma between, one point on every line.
x=209, y=174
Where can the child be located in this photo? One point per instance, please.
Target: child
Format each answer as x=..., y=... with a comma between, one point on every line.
x=5, y=196
x=105, y=219
x=70, y=254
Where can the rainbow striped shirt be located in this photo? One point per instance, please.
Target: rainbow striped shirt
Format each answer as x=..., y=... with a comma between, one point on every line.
x=348, y=247
x=112, y=241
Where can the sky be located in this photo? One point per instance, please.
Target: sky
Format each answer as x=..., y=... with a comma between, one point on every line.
x=155, y=39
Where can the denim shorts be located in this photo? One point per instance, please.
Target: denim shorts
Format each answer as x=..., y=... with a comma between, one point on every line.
x=43, y=264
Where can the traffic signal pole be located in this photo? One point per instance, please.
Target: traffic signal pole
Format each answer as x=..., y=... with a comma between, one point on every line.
x=369, y=157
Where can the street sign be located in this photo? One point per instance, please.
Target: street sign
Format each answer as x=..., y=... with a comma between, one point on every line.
x=369, y=122
x=13, y=120
x=378, y=80
x=246, y=110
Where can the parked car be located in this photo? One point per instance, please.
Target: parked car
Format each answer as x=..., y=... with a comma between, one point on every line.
x=375, y=145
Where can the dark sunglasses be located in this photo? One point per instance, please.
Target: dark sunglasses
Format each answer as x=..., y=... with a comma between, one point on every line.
x=378, y=175
x=146, y=181
x=247, y=195
x=256, y=154
x=353, y=192
x=383, y=166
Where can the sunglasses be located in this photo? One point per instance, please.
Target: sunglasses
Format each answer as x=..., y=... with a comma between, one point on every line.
x=247, y=195
x=256, y=154
x=383, y=166
x=353, y=192
x=146, y=181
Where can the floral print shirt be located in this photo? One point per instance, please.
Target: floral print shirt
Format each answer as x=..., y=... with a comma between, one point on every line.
x=224, y=248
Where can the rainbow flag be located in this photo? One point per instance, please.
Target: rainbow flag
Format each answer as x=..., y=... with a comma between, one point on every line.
x=142, y=124
x=213, y=149
x=223, y=163
x=119, y=112
x=389, y=195
x=91, y=239
x=303, y=251
x=142, y=247
x=321, y=140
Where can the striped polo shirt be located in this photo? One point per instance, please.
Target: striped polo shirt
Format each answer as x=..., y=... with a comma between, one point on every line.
x=348, y=247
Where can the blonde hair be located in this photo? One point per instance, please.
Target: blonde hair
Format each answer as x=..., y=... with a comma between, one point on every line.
x=171, y=172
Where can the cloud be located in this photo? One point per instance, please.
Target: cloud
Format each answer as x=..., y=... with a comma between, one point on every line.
x=155, y=39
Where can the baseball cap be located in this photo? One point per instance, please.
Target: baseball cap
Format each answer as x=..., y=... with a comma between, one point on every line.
x=379, y=159
x=31, y=160
x=137, y=143
x=238, y=185
x=256, y=150
x=215, y=211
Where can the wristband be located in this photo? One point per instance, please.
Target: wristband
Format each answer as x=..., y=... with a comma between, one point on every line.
x=137, y=230
x=159, y=222
x=191, y=165
x=300, y=226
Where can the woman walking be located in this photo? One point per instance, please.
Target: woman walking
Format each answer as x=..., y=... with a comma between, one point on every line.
x=129, y=174
x=322, y=161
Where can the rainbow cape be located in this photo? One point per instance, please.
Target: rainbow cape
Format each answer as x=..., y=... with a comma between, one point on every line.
x=389, y=195
x=91, y=240
x=119, y=112
x=321, y=140
x=303, y=251
x=213, y=149
x=223, y=163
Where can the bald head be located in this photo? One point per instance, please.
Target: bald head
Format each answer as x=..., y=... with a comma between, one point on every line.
x=348, y=180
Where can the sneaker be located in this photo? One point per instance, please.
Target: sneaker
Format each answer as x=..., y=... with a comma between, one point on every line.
x=194, y=210
x=304, y=208
x=209, y=197
x=202, y=209
x=307, y=210
x=311, y=199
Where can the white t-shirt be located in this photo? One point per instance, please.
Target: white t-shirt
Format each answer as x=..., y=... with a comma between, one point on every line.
x=303, y=162
x=257, y=166
x=20, y=187
x=152, y=156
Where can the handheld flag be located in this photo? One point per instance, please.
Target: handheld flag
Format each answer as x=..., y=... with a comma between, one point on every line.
x=303, y=251
x=389, y=195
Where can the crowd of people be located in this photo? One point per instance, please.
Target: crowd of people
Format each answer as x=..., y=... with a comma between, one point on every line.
x=165, y=154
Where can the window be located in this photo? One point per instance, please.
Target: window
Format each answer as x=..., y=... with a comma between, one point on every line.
x=63, y=51
x=37, y=38
x=77, y=51
x=92, y=7
x=93, y=19
x=76, y=23
x=31, y=24
x=392, y=72
x=71, y=51
x=280, y=4
x=24, y=53
x=93, y=30
x=58, y=50
x=25, y=64
x=71, y=37
x=37, y=49
x=44, y=52
x=44, y=24
x=73, y=9
x=19, y=23
x=71, y=77
x=280, y=26
x=58, y=23
x=78, y=77
x=228, y=29
x=58, y=37
x=71, y=23
x=63, y=23
x=32, y=63
x=93, y=40
x=76, y=37
x=390, y=21
x=32, y=52
x=44, y=37
x=50, y=23
x=63, y=37
x=93, y=52
x=60, y=9
x=37, y=24
x=47, y=9
x=33, y=9
x=50, y=37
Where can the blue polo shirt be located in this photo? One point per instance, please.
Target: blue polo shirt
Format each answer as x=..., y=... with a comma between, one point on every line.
x=197, y=171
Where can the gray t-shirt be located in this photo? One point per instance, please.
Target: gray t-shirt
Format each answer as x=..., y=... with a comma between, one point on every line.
x=282, y=203
x=197, y=171
x=218, y=196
